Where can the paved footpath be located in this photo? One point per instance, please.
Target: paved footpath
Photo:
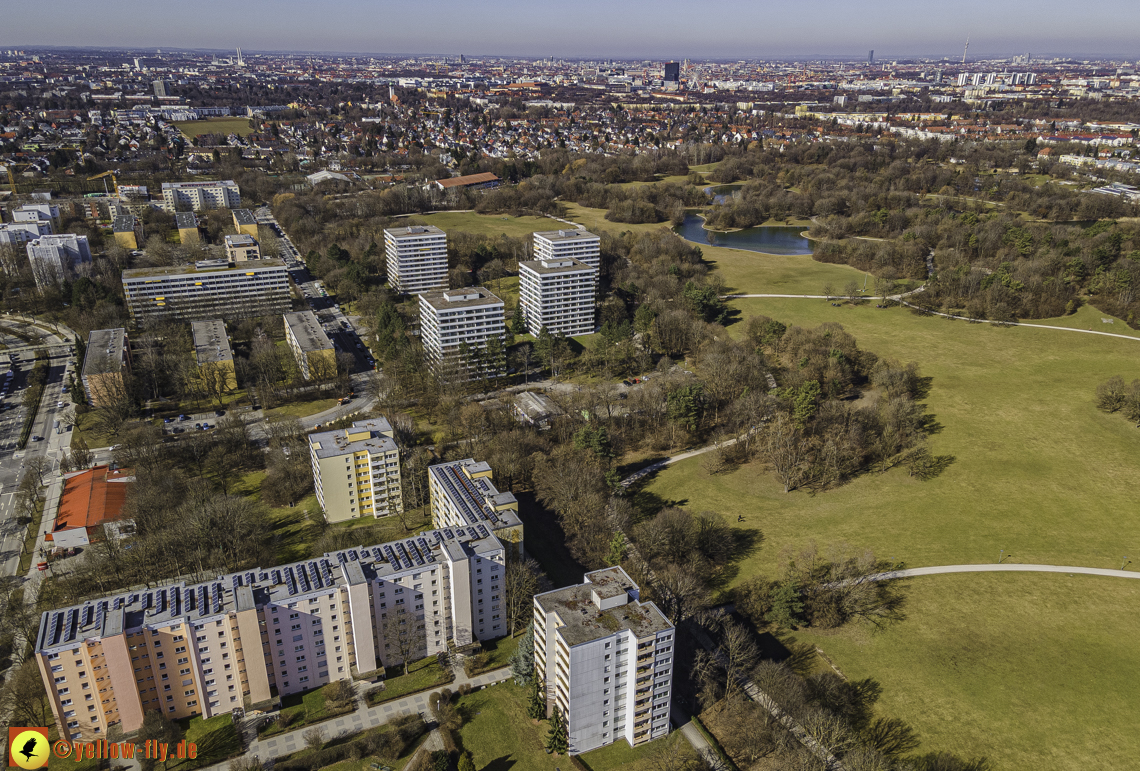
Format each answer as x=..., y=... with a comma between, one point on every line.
x=1011, y=567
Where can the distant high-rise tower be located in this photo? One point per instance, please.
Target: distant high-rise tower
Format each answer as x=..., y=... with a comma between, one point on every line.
x=871, y=56
x=240, y=62
x=672, y=72
x=138, y=64
x=162, y=87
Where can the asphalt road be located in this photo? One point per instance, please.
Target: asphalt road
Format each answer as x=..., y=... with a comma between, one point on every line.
x=12, y=460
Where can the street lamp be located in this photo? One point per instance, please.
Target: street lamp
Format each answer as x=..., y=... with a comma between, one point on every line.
x=1000, y=555
x=1125, y=562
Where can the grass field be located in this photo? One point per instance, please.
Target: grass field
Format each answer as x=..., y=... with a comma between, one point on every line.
x=422, y=675
x=224, y=126
x=1034, y=671
x=1037, y=469
x=492, y=224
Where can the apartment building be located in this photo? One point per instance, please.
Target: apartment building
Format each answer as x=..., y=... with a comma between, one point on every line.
x=209, y=289
x=200, y=196
x=214, y=356
x=417, y=258
x=455, y=326
x=606, y=660
x=16, y=233
x=356, y=471
x=106, y=363
x=558, y=295
x=242, y=248
x=311, y=347
x=246, y=638
x=463, y=494
x=187, y=225
x=245, y=223
x=128, y=231
x=54, y=258
x=38, y=212
x=581, y=245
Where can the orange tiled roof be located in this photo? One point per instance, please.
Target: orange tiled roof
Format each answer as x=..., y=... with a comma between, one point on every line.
x=91, y=498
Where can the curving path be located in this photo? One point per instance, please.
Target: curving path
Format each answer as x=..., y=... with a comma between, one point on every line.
x=1000, y=568
x=1016, y=323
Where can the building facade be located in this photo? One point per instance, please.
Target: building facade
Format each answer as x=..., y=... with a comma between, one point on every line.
x=16, y=233
x=242, y=248
x=417, y=258
x=457, y=327
x=54, y=258
x=248, y=637
x=463, y=494
x=187, y=225
x=356, y=471
x=558, y=296
x=209, y=289
x=106, y=364
x=200, y=196
x=213, y=356
x=606, y=660
x=581, y=245
x=311, y=347
x=245, y=223
x=128, y=231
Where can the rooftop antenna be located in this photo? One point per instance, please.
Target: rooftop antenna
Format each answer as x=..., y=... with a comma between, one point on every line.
x=964, y=50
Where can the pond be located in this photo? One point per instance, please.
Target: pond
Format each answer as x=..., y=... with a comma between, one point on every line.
x=772, y=240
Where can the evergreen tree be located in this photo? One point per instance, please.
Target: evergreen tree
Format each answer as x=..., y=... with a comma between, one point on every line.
x=518, y=321
x=556, y=740
x=536, y=707
x=787, y=607
x=617, y=549
x=522, y=660
x=466, y=763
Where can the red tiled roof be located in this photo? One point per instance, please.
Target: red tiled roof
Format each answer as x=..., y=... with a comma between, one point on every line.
x=91, y=498
x=470, y=179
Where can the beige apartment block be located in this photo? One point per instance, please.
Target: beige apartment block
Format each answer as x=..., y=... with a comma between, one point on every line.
x=245, y=223
x=106, y=364
x=463, y=495
x=213, y=356
x=311, y=347
x=245, y=638
x=356, y=471
x=242, y=248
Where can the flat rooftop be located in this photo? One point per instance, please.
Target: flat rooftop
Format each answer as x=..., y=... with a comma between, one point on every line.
x=414, y=230
x=179, y=602
x=185, y=220
x=244, y=217
x=584, y=621
x=468, y=297
x=191, y=185
x=124, y=223
x=241, y=240
x=204, y=267
x=372, y=435
x=104, y=351
x=210, y=341
x=560, y=265
x=303, y=325
x=565, y=235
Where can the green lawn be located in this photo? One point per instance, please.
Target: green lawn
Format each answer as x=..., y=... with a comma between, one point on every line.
x=423, y=675
x=302, y=409
x=1033, y=670
x=491, y=224
x=499, y=735
x=193, y=128
x=217, y=739
x=1037, y=470
x=298, y=710
x=619, y=756
x=498, y=654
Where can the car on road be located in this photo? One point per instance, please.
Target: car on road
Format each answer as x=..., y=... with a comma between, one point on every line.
x=197, y=425
x=37, y=438
x=183, y=417
x=167, y=420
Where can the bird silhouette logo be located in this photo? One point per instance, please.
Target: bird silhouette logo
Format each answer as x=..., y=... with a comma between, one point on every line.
x=28, y=748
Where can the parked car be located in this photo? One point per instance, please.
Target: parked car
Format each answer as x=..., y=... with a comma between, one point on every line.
x=167, y=420
x=219, y=413
x=37, y=438
x=183, y=417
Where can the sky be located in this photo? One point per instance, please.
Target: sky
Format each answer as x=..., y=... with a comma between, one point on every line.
x=661, y=29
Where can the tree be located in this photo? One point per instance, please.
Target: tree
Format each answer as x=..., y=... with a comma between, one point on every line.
x=518, y=321
x=536, y=706
x=521, y=581
x=787, y=607
x=557, y=740
x=466, y=763
x=617, y=549
x=314, y=738
x=1111, y=395
x=155, y=727
x=406, y=631
x=522, y=660
x=23, y=698
x=785, y=450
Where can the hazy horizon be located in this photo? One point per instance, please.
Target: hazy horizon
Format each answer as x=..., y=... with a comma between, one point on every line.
x=591, y=29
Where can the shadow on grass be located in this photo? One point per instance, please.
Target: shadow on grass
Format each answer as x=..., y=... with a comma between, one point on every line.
x=503, y=763
x=546, y=541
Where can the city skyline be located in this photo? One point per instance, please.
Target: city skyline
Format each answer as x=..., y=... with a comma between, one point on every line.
x=660, y=30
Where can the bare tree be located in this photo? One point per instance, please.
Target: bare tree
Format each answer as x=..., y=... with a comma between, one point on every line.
x=405, y=630
x=786, y=451
x=521, y=581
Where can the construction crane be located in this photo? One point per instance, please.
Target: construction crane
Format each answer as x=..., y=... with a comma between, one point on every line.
x=114, y=175
x=10, y=167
